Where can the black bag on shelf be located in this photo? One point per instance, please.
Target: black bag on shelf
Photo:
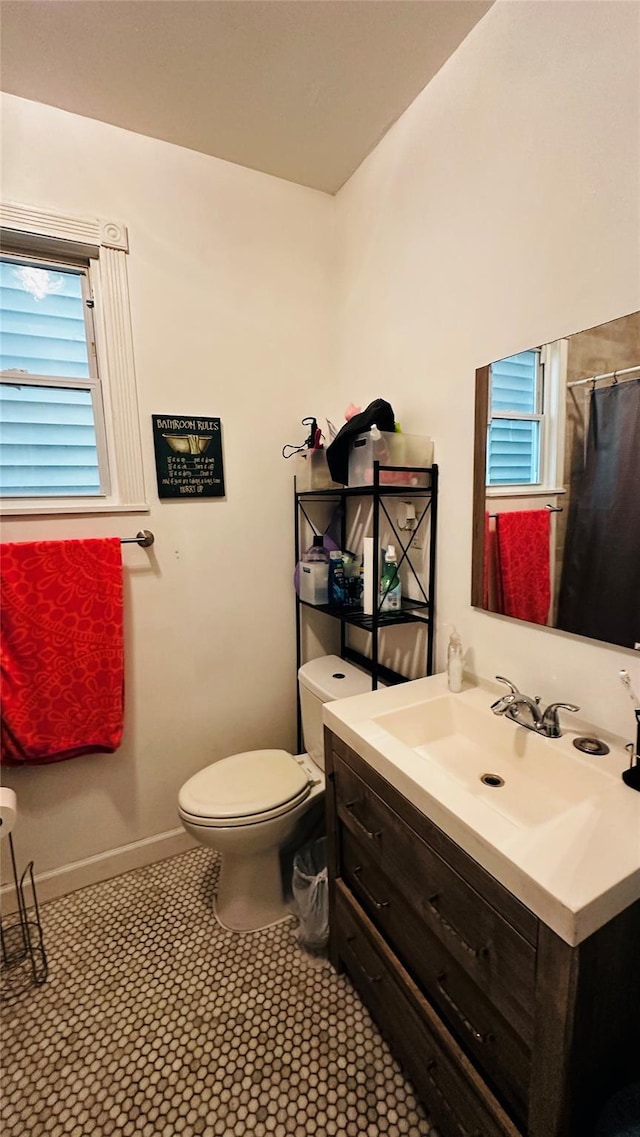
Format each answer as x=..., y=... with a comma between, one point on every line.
x=379, y=413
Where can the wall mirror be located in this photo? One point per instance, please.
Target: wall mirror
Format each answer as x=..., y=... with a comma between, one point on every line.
x=556, y=517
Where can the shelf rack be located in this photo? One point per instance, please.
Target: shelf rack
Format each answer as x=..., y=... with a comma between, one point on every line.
x=23, y=959
x=421, y=610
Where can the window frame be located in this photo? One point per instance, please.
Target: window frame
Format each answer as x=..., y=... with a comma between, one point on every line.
x=39, y=235
x=550, y=413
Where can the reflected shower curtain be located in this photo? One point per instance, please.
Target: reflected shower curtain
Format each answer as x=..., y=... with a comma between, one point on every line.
x=600, y=583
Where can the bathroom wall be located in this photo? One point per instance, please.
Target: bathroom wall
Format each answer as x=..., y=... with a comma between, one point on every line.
x=232, y=292
x=502, y=210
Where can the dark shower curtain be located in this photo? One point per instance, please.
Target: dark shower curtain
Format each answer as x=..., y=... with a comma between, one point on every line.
x=600, y=582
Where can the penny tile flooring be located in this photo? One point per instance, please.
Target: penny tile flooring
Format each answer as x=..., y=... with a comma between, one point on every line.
x=156, y=1022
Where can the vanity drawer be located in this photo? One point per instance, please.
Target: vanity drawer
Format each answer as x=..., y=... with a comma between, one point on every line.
x=494, y=1045
x=483, y=943
x=459, y=1101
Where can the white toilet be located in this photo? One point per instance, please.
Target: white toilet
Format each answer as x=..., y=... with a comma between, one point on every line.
x=247, y=806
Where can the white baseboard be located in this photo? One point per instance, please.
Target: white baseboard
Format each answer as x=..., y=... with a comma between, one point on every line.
x=103, y=866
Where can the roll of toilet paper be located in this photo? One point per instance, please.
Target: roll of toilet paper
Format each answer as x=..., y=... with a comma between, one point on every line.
x=8, y=810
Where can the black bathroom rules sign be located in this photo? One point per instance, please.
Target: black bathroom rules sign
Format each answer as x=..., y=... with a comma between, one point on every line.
x=188, y=452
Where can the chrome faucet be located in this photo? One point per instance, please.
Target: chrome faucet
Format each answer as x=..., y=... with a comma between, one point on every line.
x=526, y=711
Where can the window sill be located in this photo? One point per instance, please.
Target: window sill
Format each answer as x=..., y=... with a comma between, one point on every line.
x=523, y=491
x=34, y=509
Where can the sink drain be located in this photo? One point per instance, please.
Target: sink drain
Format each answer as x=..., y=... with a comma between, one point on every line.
x=591, y=745
x=493, y=780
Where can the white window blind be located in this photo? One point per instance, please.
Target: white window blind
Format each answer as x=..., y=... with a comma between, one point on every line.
x=513, y=440
x=47, y=441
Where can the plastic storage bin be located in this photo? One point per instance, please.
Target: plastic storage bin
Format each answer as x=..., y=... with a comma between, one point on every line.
x=389, y=449
x=311, y=895
x=312, y=471
x=314, y=582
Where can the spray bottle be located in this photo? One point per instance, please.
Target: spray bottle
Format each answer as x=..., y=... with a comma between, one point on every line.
x=390, y=588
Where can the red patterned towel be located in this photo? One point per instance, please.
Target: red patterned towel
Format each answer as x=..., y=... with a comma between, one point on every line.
x=61, y=656
x=523, y=546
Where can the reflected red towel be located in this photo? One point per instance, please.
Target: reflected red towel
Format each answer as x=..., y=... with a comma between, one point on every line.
x=61, y=656
x=492, y=600
x=523, y=547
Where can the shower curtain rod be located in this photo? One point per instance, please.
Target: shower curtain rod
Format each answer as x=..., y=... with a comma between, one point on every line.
x=615, y=375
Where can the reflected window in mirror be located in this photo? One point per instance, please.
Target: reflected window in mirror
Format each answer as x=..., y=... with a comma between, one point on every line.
x=557, y=474
x=526, y=421
x=516, y=386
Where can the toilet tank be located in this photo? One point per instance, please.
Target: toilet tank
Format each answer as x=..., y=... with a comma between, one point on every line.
x=320, y=681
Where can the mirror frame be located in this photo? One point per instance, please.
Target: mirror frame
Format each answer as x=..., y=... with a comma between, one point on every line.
x=479, y=485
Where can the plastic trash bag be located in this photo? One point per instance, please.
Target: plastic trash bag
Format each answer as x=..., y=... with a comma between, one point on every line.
x=311, y=895
x=621, y=1115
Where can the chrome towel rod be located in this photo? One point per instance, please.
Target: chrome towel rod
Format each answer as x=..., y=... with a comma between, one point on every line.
x=144, y=538
x=551, y=508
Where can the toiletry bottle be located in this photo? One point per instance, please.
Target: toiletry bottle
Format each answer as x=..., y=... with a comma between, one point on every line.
x=454, y=662
x=317, y=552
x=336, y=578
x=352, y=579
x=390, y=589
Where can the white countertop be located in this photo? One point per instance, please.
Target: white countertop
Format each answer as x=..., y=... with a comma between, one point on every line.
x=575, y=871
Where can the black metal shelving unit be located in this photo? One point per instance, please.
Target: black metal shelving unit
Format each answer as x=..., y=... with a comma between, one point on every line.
x=421, y=610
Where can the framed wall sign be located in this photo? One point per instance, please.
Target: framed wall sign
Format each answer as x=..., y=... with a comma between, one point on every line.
x=188, y=453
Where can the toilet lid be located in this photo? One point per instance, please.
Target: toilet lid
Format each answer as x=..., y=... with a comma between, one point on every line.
x=244, y=785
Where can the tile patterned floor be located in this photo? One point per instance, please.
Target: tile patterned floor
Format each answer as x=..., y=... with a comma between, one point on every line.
x=155, y=1022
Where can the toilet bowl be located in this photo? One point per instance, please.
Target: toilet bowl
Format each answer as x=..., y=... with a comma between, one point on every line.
x=248, y=805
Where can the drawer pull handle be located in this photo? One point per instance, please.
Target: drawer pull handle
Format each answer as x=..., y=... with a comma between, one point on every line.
x=478, y=953
x=377, y=904
x=432, y=1067
x=372, y=836
x=372, y=978
x=454, y=1006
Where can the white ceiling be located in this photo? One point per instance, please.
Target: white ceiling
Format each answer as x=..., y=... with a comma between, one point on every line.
x=303, y=89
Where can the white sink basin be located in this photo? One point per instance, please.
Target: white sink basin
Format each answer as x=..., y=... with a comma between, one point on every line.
x=563, y=831
x=525, y=777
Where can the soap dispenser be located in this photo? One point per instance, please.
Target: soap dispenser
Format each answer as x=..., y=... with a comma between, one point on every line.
x=454, y=662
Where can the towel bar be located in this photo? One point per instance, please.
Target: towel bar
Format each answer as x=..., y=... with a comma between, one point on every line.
x=551, y=508
x=144, y=538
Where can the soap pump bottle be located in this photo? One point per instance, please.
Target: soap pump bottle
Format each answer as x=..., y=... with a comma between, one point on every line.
x=454, y=662
x=317, y=553
x=390, y=587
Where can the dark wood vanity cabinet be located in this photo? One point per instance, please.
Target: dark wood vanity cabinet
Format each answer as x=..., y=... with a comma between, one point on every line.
x=504, y=1028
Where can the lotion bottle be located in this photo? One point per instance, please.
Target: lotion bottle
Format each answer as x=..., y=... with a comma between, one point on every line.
x=454, y=662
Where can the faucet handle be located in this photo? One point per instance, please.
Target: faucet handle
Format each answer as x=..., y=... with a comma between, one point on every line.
x=512, y=687
x=550, y=725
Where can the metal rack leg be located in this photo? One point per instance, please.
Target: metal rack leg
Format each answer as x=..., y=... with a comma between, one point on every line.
x=21, y=938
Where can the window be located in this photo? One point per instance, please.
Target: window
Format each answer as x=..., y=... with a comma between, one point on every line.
x=51, y=416
x=69, y=434
x=515, y=409
x=525, y=412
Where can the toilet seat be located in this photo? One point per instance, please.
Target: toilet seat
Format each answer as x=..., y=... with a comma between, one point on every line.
x=244, y=789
